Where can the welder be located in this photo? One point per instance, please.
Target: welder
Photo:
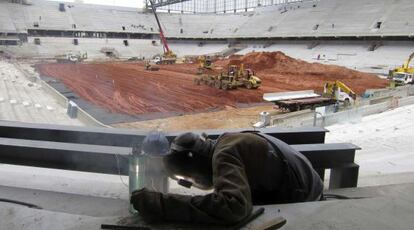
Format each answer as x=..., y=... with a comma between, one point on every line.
x=243, y=169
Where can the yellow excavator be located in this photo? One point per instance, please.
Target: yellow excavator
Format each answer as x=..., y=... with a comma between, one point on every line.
x=340, y=92
x=404, y=74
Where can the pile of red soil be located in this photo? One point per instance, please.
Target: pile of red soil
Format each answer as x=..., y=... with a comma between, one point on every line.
x=277, y=67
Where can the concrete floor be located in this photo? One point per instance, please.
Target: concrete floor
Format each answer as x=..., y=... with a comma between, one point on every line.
x=384, y=207
x=26, y=101
x=387, y=155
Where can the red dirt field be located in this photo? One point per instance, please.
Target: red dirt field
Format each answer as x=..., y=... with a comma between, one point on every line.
x=128, y=88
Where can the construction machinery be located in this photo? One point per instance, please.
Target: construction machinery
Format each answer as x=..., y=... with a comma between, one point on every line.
x=339, y=92
x=150, y=67
x=232, y=79
x=168, y=57
x=71, y=57
x=247, y=78
x=403, y=78
x=334, y=93
x=204, y=63
x=404, y=74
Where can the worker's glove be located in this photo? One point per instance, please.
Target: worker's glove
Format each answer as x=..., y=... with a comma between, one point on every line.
x=148, y=204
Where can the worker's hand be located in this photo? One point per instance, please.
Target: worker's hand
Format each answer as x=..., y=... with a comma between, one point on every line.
x=148, y=204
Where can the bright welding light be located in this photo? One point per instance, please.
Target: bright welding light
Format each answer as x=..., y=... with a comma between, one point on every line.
x=179, y=177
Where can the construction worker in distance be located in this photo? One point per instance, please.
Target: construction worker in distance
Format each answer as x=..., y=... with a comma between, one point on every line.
x=244, y=169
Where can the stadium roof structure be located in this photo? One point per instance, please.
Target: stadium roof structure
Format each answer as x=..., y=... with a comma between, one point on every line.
x=159, y=3
x=219, y=6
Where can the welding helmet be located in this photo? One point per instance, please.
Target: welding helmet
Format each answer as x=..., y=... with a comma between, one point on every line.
x=190, y=160
x=191, y=142
x=155, y=144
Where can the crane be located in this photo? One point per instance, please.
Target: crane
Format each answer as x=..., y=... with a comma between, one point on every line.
x=169, y=57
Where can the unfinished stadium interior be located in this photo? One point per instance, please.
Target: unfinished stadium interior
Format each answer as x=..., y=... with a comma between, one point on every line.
x=82, y=84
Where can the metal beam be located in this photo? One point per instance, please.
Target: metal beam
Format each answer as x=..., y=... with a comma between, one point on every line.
x=114, y=160
x=77, y=157
x=345, y=176
x=126, y=137
x=330, y=155
x=337, y=157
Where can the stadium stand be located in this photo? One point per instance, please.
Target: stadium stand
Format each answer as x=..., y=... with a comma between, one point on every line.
x=327, y=18
x=182, y=48
x=51, y=46
x=351, y=33
x=300, y=19
x=26, y=101
x=6, y=22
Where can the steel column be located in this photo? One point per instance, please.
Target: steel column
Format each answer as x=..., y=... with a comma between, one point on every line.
x=344, y=177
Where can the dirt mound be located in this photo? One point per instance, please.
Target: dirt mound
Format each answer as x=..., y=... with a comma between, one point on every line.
x=265, y=60
x=276, y=66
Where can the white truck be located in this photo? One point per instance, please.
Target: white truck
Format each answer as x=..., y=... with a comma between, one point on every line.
x=298, y=100
x=71, y=57
x=403, y=78
x=334, y=93
x=164, y=59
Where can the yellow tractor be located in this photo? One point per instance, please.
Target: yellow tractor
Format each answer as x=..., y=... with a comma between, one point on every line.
x=247, y=78
x=232, y=79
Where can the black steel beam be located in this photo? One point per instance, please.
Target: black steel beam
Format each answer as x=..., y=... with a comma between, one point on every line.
x=114, y=160
x=308, y=135
x=126, y=138
x=330, y=155
x=345, y=176
x=67, y=156
x=70, y=134
x=339, y=158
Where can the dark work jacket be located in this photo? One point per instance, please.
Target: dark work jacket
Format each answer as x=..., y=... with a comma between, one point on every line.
x=246, y=171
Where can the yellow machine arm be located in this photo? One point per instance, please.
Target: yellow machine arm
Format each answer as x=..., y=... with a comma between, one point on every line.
x=331, y=87
x=344, y=88
x=405, y=68
x=407, y=63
